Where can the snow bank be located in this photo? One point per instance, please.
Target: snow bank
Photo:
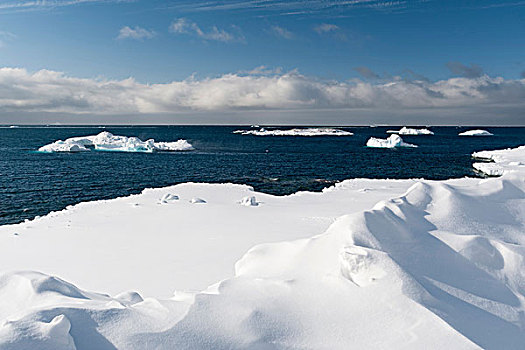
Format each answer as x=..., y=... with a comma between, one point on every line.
x=408, y=131
x=476, y=132
x=391, y=142
x=364, y=264
x=106, y=141
x=501, y=161
x=295, y=132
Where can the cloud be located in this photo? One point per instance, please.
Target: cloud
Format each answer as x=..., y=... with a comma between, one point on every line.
x=5, y=36
x=45, y=4
x=472, y=71
x=47, y=91
x=367, y=72
x=185, y=26
x=281, y=32
x=262, y=70
x=326, y=28
x=136, y=33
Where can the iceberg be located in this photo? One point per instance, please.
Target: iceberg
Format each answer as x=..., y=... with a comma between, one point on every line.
x=295, y=132
x=408, y=131
x=476, y=132
x=391, y=142
x=105, y=141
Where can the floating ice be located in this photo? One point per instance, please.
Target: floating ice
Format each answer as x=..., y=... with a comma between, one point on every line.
x=295, y=132
x=391, y=142
x=105, y=141
x=476, y=132
x=408, y=131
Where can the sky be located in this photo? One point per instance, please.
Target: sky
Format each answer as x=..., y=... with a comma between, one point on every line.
x=262, y=61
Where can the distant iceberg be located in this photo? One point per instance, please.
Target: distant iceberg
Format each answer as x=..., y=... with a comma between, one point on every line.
x=408, y=131
x=106, y=141
x=476, y=132
x=296, y=132
x=392, y=142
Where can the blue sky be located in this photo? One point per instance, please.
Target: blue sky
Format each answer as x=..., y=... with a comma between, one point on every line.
x=390, y=39
x=165, y=41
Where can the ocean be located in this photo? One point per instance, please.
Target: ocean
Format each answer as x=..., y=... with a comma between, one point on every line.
x=34, y=184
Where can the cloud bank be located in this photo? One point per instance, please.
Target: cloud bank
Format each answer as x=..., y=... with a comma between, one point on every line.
x=55, y=92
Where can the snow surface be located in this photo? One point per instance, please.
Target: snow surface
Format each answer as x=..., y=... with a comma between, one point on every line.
x=409, y=131
x=476, y=132
x=392, y=141
x=295, y=132
x=106, y=141
x=501, y=161
x=397, y=264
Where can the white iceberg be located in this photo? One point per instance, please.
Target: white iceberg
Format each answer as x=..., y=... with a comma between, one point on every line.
x=295, y=132
x=391, y=142
x=409, y=131
x=105, y=141
x=477, y=132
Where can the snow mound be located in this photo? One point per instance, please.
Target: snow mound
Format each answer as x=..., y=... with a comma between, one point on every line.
x=409, y=131
x=391, y=142
x=197, y=200
x=249, y=201
x=105, y=141
x=169, y=198
x=296, y=132
x=476, y=132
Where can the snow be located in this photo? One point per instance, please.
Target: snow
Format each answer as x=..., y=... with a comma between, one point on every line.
x=501, y=161
x=392, y=141
x=295, y=132
x=397, y=264
x=409, y=131
x=476, y=132
x=105, y=141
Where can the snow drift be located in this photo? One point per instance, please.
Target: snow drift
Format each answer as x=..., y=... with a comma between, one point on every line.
x=295, y=132
x=365, y=264
x=106, y=141
x=392, y=141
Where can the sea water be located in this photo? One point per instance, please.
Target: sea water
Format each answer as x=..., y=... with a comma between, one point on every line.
x=33, y=183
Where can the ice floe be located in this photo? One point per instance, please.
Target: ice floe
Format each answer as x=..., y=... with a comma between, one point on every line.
x=295, y=132
x=392, y=141
x=105, y=141
x=476, y=132
x=409, y=131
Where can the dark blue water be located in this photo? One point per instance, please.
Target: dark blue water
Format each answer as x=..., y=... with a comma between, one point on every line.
x=34, y=184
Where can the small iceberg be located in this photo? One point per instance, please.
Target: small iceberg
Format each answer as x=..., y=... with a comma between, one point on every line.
x=295, y=132
x=477, y=132
x=392, y=142
x=408, y=131
x=106, y=141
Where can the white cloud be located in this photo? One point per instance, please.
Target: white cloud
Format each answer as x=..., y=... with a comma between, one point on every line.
x=49, y=91
x=136, y=33
x=185, y=26
x=281, y=32
x=326, y=28
x=5, y=36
